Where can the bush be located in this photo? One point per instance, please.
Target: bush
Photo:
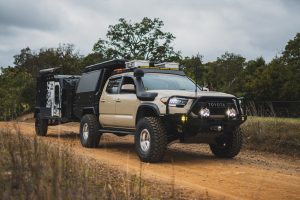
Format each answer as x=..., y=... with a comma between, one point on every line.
x=277, y=135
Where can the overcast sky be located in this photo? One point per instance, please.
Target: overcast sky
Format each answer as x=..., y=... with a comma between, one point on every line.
x=251, y=28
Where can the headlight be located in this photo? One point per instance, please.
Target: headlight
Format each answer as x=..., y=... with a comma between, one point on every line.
x=204, y=112
x=231, y=112
x=175, y=102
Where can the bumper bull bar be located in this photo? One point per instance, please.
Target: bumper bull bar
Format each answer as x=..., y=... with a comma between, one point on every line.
x=193, y=119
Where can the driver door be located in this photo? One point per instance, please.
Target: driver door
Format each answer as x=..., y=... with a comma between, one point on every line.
x=107, y=105
x=126, y=104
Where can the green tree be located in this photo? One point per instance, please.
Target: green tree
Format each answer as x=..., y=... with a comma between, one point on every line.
x=18, y=84
x=194, y=68
x=291, y=63
x=16, y=92
x=91, y=59
x=226, y=74
x=64, y=56
x=140, y=40
x=252, y=78
x=277, y=80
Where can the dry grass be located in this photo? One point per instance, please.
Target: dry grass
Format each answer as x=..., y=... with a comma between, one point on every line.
x=277, y=135
x=31, y=169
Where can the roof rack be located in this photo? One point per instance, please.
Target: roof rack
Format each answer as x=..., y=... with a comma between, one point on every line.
x=148, y=69
x=151, y=64
x=168, y=65
x=111, y=64
x=137, y=63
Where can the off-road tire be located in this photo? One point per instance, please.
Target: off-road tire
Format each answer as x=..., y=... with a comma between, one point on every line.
x=158, y=139
x=233, y=141
x=41, y=125
x=92, y=138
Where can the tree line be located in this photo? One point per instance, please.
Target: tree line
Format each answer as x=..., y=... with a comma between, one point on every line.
x=256, y=80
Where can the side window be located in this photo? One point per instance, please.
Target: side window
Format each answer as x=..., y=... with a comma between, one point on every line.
x=127, y=86
x=113, y=85
x=88, y=81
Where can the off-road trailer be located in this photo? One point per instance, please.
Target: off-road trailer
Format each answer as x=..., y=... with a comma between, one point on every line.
x=54, y=99
x=65, y=98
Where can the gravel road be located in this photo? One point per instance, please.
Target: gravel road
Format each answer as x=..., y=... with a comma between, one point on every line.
x=251, y=175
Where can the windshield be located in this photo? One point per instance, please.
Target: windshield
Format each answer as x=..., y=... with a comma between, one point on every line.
x=167, y=82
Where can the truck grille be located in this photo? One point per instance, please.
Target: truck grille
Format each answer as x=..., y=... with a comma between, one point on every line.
x=217, y=106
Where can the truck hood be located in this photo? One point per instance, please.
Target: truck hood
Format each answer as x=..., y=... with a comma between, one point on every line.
x=168, y=93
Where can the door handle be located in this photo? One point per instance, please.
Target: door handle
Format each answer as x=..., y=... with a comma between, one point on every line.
x=118, y=100
x=102, y=100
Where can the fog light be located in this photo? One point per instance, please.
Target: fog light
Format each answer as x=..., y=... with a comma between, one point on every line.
x=204, y=112
x=183, y=118
x=231, y=113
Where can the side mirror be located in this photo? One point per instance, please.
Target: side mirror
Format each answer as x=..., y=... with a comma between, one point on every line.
x=138, y=73
x=128, y=88
x=205, y=89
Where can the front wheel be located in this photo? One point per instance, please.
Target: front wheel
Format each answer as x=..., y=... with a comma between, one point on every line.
x=151, y=139
x=228, y=145
x=89, y=131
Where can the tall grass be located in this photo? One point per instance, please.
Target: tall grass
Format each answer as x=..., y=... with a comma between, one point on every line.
x=278, y=135
x=31, y=169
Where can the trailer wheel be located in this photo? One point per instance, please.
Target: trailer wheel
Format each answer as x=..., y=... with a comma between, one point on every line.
x=41, y=125
x=89, y=131
x=229, y=145
x=151, y=139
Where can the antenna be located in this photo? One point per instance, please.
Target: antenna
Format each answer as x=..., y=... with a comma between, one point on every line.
x=196, y=80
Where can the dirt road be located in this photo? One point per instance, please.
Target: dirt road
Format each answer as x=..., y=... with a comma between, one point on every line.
x=251, y=175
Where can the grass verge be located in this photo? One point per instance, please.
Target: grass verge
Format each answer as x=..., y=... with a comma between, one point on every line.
x=276, y=135
x=32, y=169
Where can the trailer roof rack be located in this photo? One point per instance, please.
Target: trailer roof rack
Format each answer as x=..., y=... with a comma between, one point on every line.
x=111, y=64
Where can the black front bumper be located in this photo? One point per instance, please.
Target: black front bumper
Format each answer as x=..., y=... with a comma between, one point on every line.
x=204, y=124
x=194, y=123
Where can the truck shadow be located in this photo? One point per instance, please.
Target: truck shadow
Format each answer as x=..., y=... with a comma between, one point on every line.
x=173, y=155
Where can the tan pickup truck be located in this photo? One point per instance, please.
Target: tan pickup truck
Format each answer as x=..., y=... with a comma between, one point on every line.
x=158, y=105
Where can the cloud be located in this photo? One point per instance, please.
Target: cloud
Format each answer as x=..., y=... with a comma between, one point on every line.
x=30, y=14
x=251, y=28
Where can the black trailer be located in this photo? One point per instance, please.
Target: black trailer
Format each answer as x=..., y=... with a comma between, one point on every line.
x=54, y=99
x=65, y=98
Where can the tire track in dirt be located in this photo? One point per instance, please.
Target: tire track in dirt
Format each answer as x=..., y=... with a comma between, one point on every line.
x=251, y=175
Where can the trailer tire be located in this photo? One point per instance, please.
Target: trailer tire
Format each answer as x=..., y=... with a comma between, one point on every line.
x=41, y=125
x=89, y=131
x=228, y=146
x=151, y=139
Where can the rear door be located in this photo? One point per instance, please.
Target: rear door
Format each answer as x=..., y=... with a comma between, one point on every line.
x=107, y=107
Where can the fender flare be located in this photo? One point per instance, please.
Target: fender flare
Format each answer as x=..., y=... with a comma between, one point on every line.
x=151, y=106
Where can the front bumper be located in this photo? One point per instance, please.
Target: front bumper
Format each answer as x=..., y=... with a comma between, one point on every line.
x=192, y=122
